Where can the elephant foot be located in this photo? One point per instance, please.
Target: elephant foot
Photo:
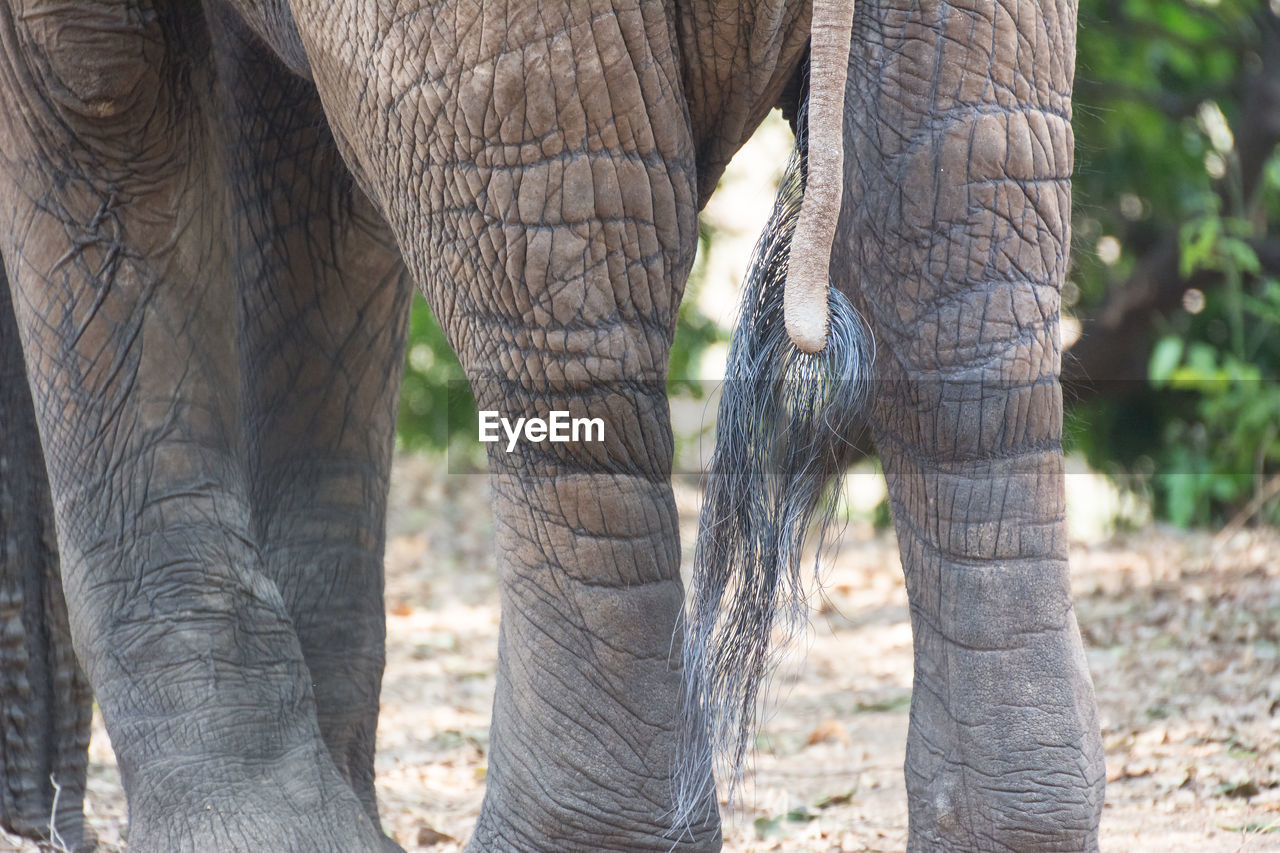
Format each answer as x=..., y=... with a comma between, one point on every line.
x=582, y=809
x=1007, y=755
x=296, y=838
x=563, y=834
x=955, y=814
x=260, y=830
x=291, y=805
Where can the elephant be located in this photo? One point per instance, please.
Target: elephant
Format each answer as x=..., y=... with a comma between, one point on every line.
x=212, y=219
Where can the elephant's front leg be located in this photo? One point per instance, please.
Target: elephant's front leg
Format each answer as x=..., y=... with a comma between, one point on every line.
x=112, y=219
x=324, y=309
x=43, y=692
x=535, y=162
x=961, y=164
x=588, y=680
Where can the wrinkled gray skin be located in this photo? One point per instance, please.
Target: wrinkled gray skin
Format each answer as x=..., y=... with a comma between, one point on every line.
x=44, y=698
x=212, y=309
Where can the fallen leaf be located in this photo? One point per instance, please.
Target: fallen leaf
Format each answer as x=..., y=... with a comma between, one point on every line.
x=1243, y=790
x=1127, y=772
x=428, y=837
x=834, y=800
x=829, y=730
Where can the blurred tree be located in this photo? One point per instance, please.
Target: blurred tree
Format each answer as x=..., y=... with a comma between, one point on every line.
x=431, y=407
x=1177, y=201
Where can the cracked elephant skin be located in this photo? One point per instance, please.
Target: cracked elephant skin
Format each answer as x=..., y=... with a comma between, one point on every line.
x=212, y=217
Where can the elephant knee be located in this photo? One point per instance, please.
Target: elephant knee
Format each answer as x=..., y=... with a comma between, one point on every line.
x=106, y=68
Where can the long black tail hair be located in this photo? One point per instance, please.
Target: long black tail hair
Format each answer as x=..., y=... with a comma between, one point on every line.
x=782, y=446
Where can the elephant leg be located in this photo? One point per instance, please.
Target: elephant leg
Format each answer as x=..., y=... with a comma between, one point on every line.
x=113, y=220
x=44, y=698
x=324, y=306
x=535, y=163
x=737, y=59
x=957, y=245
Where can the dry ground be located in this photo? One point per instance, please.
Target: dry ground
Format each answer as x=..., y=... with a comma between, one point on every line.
x=1184, y=642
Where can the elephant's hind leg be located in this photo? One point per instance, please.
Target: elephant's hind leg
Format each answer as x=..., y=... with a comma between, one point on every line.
x=112, y=221
x=961, y=162
x=44, y=697
x=536, y=164
x=324, y=304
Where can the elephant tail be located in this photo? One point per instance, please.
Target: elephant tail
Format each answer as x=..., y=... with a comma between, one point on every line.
x=782, y=445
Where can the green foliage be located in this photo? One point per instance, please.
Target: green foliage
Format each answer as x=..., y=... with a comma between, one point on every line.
x=436, y=409
x=1218, y=452
x=1159, y=103
x=882, y=516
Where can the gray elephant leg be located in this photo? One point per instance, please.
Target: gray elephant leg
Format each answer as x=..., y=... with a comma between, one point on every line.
x=112, y=217
x=324, y=307
x=961, y=157
x=736, y=58
x=44, y=698
x=535, y=163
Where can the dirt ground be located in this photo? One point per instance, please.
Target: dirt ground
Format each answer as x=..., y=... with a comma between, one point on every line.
x=1183, y=633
